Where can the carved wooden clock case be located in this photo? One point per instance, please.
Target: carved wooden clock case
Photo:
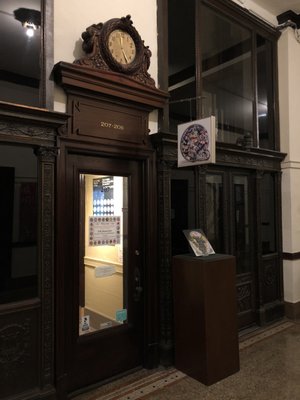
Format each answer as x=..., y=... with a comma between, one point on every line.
x=117, y=46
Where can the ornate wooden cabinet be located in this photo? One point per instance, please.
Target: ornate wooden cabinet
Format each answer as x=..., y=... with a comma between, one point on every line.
x=27, y=173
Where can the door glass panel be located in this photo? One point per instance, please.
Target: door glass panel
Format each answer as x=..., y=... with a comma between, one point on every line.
x=182, y=208
x=214, y=212
x=268, y=218
x=241, y=221
x=103, y=244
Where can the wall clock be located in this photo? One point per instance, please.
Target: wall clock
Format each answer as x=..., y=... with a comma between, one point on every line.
x=117, y=46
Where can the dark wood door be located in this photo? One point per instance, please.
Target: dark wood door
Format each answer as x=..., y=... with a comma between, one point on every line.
x=230, y=226
x=103, y=279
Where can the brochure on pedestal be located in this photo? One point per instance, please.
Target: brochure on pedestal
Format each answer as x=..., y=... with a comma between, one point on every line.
x=198, y=242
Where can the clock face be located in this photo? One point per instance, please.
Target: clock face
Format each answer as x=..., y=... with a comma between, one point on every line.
x=122, y=47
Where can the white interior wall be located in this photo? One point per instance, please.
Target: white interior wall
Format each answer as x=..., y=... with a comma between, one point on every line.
x=289, y=101
x=72, y=17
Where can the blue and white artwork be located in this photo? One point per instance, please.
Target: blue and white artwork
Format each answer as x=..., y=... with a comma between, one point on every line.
x=103, y=196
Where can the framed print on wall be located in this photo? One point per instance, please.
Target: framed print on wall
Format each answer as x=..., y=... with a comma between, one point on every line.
x=197, y=142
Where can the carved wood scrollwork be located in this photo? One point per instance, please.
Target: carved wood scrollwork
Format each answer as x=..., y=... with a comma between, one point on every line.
x=244, y=297
x=15, y=346
x=47, y=153
x=14, y=129
x=270, y=275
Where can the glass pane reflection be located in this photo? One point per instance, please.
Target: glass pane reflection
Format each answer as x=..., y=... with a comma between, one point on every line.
x=268, y=217
x=18, y=228
x=215, y=211
x=226, y=75
x=105, y=215
x=20, y=48
x=242, y=223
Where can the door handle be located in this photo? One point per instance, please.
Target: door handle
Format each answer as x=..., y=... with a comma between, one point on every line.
x=137, y=283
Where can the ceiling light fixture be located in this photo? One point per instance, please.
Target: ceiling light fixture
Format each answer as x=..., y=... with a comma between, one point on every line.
x=30, y=19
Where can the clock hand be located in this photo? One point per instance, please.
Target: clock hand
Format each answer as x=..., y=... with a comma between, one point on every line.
x=124, y=54
x=121, y=40
x=121, y=44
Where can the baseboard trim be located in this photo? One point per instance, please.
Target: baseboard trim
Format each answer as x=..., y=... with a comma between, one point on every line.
x=292, y=310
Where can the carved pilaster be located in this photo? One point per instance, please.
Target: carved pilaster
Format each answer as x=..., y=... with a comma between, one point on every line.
x=47, y=158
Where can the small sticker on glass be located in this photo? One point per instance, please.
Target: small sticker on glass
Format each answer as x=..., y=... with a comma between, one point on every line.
x=121, y=315
x=85, y=323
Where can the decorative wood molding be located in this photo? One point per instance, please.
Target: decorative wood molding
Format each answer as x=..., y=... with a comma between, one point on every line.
x=249, y=159
x=13, y=129
x=29, y=124
x=91, y=82
x=227, y=155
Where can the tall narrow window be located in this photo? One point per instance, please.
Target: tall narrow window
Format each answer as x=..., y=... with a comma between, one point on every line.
x=182, y=83
x=264, y=92
x=20, y=52
x=226, y=75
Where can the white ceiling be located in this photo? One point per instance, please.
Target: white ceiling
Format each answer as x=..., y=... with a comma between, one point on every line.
x=279, y=6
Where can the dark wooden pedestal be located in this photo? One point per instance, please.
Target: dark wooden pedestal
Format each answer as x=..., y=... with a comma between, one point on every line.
x=205, y=316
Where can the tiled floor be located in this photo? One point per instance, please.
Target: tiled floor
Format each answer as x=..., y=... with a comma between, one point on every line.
x=269, y=370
